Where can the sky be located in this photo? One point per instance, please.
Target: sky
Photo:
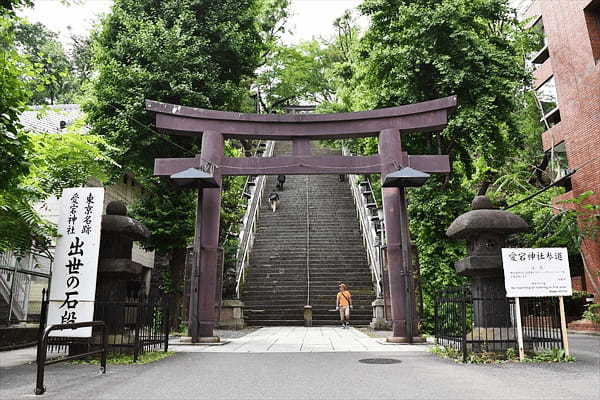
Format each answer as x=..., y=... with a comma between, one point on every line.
x=311, y=18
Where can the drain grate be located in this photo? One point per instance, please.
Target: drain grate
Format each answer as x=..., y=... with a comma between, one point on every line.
x=379, y=361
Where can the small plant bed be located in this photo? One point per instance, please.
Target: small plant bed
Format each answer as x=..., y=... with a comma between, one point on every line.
x=510, y=355
x=127, y=359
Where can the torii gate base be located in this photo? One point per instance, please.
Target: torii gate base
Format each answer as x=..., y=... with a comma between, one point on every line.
x=216, y=126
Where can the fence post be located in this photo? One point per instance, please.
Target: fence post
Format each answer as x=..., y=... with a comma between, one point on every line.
x=136, y=345
x=435, y=318
x=41, y=350
x=41, y=364
x=167, y=322
x=104, y=347
x=463, y=318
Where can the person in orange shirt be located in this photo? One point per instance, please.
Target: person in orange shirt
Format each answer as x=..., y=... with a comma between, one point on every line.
x=343, y=304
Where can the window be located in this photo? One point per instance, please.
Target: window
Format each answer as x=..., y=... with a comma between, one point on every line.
x=592, y=18
x=541, y=54
x=558, y=166
x=548, y=103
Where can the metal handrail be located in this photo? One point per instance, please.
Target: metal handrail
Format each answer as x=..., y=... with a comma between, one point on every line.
x=15, y=280
x=372, y=240
x=43, y=345
x=249, y=222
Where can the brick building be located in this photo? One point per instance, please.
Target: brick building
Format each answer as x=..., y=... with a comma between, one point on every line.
x=567, y=83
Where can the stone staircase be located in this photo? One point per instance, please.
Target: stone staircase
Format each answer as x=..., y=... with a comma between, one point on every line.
x=275, y=290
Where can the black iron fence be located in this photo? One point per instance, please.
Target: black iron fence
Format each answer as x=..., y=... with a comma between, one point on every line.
x=133, y=327
x=487, y=323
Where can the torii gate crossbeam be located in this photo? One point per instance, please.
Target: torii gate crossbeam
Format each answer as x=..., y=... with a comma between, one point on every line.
x=387, y=124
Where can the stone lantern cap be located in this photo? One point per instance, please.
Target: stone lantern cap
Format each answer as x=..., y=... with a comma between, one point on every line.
x=485, y=219
x=117, y=222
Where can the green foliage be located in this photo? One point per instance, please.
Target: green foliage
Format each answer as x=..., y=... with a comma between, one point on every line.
x=309, y=72
x=295, y=75
x=168, y=213
x=271, y=20
x=21, y=227
x=33, y=167
x=45, y=52
x=510, y=355
x=416, y=50
x=198, y=53
x=592, y=312
x=10, y=5
x=66, y=160
x=127, y=359
x=56, y=162
x=553, y=355
x=14, y=72
x=445, y=352
x=189, y=52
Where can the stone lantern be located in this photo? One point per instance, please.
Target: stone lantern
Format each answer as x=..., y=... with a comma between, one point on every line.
x=485, y=229
x=120, y=278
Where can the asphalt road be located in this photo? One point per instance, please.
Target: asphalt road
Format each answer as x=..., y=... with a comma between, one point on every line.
x=316, y=376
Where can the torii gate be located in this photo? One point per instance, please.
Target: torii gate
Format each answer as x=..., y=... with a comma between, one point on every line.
x=215, y=126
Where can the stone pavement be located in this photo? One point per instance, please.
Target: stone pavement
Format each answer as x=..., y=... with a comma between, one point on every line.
x=23, y=356
x=291, y=339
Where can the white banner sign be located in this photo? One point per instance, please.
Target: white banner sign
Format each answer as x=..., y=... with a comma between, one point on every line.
x=74, y=272
x=536, y=272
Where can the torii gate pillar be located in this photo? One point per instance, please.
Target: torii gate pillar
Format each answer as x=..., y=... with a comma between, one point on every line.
x=202, y=312
x=402, y=296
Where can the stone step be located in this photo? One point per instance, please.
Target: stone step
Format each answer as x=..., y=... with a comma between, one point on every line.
x=283, y=307
x=275, y=281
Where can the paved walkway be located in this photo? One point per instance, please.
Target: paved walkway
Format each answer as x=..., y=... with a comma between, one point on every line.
x=24, y=356
x=300, y=339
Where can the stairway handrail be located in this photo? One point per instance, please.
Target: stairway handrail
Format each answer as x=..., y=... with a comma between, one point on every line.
x=248, y=231
x=372, y=240
x=15, y=280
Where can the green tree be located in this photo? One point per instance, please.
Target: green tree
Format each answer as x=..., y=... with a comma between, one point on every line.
x=69, y=159
x=53, y=83
x=295, y=75
x=197, y=53
x=188, y=52
x=15, y=70
x=20, y=226
x=32, y=167
x=416, y=50
x=10, y=5
x=81, y=58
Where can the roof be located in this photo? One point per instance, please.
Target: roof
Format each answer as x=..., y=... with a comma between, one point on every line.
x=47, y=119
x=476, y=222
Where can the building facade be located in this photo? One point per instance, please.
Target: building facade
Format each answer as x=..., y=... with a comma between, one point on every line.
x=567, y=84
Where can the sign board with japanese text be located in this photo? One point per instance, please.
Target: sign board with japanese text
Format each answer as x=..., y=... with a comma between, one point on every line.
x=536, y=272
x=73, y=286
